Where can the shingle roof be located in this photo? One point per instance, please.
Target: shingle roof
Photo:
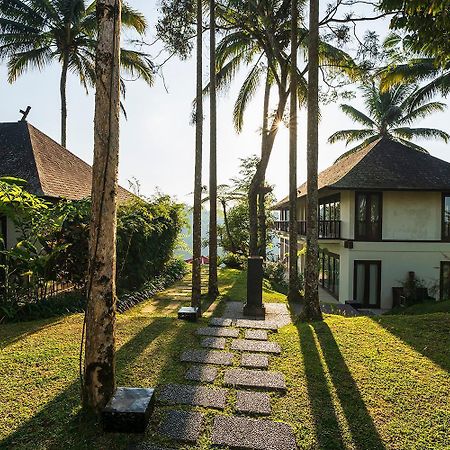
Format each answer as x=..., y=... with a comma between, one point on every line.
x=50, y=169
x=384, y=165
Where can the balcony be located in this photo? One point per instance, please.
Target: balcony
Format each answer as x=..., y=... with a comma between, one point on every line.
x=328, y=229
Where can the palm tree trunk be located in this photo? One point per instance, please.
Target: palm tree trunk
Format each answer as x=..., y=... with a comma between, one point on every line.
x=62, y=90
x=293, y=293
x=311, y=309
x=99, y=371
x=197, y=222
x=213, y=288
x=262, y=209
x=259, y=176
x=227, y=227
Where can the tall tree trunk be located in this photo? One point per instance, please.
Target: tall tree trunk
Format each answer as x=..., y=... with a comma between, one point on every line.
x=227, y=227
x=63, y=94
x=197, y=214
x=99, y=371
x=262, y=209
x=260, y=173
x=312, y=306
x=213, y=287
x=293, y=293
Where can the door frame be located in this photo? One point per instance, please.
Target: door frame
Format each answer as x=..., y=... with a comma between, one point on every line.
x=367, y=263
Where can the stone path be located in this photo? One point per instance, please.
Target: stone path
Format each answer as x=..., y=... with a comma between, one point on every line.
x=235, y=357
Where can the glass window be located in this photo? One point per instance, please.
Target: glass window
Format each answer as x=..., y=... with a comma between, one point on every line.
x=368, y=216
x=445, y=280
x=446, y=217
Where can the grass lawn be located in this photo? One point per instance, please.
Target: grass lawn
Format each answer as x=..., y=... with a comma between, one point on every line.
x=354, y=383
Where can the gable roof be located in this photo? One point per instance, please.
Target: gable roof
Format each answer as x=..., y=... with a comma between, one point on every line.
x=383, y=165
x=49, y=169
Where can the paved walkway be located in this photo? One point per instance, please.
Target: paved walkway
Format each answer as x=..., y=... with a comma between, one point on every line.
x=235, y=356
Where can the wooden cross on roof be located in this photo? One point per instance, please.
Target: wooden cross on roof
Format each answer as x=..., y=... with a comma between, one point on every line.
x=25, y=113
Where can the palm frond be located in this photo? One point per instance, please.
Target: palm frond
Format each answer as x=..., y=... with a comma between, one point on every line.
x=137, y=64
x=412, y=145
x=427, y=133
x=422, y=111
x=359, y=147
x=351, y=135
x=19, y=62
x=134, y=19
x=358, y=116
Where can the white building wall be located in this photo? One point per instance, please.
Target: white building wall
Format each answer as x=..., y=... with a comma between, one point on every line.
x=11, y=234
x=412, y=215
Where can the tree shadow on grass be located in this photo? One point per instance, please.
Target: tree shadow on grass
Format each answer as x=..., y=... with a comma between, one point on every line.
x=61, y=424
x=363, y=431
x=328, y=433
x=429, y=335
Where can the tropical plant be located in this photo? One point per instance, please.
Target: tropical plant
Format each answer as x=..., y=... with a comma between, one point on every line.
x=390, y=114
x=35, y=33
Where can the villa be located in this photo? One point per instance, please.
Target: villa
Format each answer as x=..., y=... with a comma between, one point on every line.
x=52, y=172
x=384, y=218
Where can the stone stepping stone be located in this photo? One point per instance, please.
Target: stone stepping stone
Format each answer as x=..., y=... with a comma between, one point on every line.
x=147, y=446
x=254, y=360
x=247, y=378
x=183, y=426
x=252, y=434
x=258, y=335
x=213, y=342
x=253, y=402
x=182, y=394
x=207, y=357
x=248, y=345
x=220, y=322
x=218, y=332
x=257, y=324
x=201, y=373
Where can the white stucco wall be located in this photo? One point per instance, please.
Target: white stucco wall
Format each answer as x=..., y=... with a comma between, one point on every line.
x=11, y=233
x=412, y=215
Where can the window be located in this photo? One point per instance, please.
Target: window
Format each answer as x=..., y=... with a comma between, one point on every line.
x=330, y=208
x=368, y=216
x=329, y=272
x=445, y=280
x=367, y=283
x=446, y=217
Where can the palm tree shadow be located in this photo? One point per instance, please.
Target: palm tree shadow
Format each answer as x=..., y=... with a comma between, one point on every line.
x=67, y=428
x=361, y=425
x=328, y=433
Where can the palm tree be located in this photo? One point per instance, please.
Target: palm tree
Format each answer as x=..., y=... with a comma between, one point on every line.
x=35, y=33
x=197, y=211
x=99, y=368
x=390, y=114
x=213, y=287
x=311, y=309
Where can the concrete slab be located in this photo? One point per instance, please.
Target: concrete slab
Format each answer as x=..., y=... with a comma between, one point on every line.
x=183, y=426
x=257, y=324
x=218, y=332
x=248, y=345
x=255, y=360
x=253, y=402
x=258, y=335
x=220, y=322
x=207, y=357
x=248, y=378
x=252, y=434
x=203, y=374
x=182, y=394
x=213, y=342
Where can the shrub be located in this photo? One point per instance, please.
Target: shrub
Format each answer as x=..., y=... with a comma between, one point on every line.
x=233, y=261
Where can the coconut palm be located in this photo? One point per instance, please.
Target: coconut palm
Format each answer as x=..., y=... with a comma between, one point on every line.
x=390, y=114
x=35, y=33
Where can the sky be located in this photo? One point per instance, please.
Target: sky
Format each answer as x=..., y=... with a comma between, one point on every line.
x=157, y=140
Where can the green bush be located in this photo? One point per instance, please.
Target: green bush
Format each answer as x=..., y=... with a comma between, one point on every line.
x=233, y=261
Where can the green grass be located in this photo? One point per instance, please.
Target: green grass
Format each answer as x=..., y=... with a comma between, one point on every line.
x=423, y=308
x=353, y=383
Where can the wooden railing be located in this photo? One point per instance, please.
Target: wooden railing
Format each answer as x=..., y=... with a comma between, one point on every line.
x=328, y=229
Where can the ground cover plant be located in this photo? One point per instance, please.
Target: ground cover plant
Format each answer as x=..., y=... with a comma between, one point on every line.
x=353, y=383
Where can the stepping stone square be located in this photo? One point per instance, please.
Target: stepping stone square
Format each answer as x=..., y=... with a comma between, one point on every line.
x=247, y=378
x=182, y=425
x=182, y=394
x=253, y=434
x=253, y=402
x=257, y=324
x=248, y=345
x=207, y=357
x=201, y=373
x=147, y=446
x=218, y=332
x=219, y=322
x=213, y=342
x=259, y=335
x=255, y=360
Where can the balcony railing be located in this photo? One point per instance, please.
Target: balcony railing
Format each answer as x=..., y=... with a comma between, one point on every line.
x=328, y=229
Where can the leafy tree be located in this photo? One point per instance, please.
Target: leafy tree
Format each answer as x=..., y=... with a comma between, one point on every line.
x=425, y=23
x=390, y=114
x=35, y=33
